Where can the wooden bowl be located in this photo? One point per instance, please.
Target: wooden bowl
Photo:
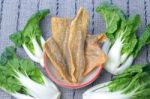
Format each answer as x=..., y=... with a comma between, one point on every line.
x=52, y=74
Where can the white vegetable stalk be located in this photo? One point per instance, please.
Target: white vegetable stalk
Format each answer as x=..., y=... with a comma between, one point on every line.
x=38, y=52
x=39, y=91
x=116, y=62
x=114, y=54
x=124, y=57
x=118, y=70
x=95, y=88
x=106, y=46
x=125, y=65
x=22, y=96
x=106, y=95
x=42, y=41
x=101, y=91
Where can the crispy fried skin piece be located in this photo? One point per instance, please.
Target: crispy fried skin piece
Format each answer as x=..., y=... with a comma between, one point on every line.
x=60, y=32
x=94, y=55
x=56, y=58
x=76, y=42
x=70, y=50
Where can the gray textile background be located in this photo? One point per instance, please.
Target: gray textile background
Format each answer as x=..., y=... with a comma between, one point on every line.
x=14, y=14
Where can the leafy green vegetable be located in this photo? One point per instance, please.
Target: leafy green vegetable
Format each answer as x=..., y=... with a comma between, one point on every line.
x=127, y=33
x=112, y=18
x=21, y=76
x=122, y=45
x=134, y=83
x=137, y=80
x=31, y=37
x=144, y=39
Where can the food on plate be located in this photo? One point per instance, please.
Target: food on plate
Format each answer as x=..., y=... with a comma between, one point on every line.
x=122, y=45
x=22, y=79
x=76, y=44
x=30, y=38
x=56, y=58
x=74, y=49
x=95, y=57
x=60, y=32
x=134, y=83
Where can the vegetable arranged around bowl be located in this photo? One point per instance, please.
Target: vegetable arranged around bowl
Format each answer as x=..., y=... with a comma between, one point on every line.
x=74, y=59
x=22, y=79
x=134, y=83
x=30, y=38
x=122, y=45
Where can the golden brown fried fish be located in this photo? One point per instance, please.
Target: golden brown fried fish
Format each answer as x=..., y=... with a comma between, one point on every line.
x=56, y=58
x=76, y=44
x=70, y=50
x=94, y=55
x=60, y=32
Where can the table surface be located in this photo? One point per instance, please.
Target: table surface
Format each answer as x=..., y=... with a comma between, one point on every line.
x=14, y=15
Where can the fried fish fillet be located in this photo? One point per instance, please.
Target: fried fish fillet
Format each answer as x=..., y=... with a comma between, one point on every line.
x=60, y=32
x=56, y=58
x=70, y=50
x=94, y=55
x=76, y=44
